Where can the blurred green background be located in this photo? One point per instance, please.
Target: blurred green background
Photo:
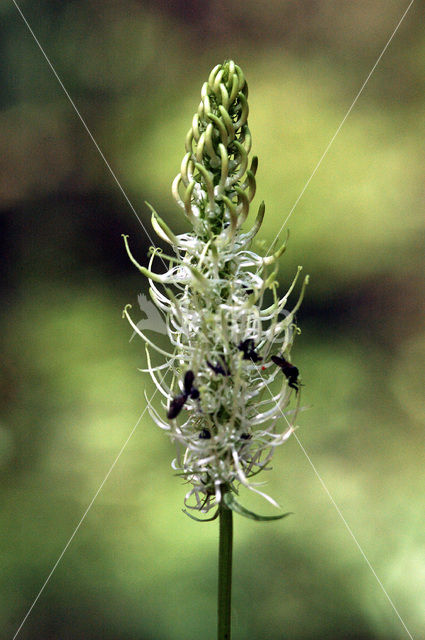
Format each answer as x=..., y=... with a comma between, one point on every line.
x=70, y=391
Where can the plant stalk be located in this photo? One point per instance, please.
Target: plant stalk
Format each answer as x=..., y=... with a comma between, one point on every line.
x=225, y=572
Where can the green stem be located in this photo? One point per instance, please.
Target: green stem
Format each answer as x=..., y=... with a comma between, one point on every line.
x=225, y=572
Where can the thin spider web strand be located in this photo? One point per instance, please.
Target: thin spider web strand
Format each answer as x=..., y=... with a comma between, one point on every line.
x=135, y=213
x=150, y=239
x=83, y=518
x=339, y=512
x=111, y=171
x=339, y=128
x=347, y=526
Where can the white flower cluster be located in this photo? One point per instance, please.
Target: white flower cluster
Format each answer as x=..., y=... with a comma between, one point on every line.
x=230, y=333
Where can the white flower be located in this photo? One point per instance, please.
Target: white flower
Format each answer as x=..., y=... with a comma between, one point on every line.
x=217, y=375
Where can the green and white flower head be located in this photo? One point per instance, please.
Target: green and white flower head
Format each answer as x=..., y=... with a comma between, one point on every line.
x=217, y=376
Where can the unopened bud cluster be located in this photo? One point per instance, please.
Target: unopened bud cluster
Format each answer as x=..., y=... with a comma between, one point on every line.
x=228, y=344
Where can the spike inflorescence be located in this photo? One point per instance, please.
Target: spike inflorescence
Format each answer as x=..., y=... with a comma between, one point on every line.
x=212, y=297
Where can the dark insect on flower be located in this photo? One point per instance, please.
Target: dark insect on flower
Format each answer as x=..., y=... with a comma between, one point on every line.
x=217, y=368
x=289, y=370
x=178, y=402
x=189, y=389
x=248, y=291
x=249, y=353
x=176, y=406
x=205, y=434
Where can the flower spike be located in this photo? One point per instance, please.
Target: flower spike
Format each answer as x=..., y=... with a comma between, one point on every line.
x=227, y=404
